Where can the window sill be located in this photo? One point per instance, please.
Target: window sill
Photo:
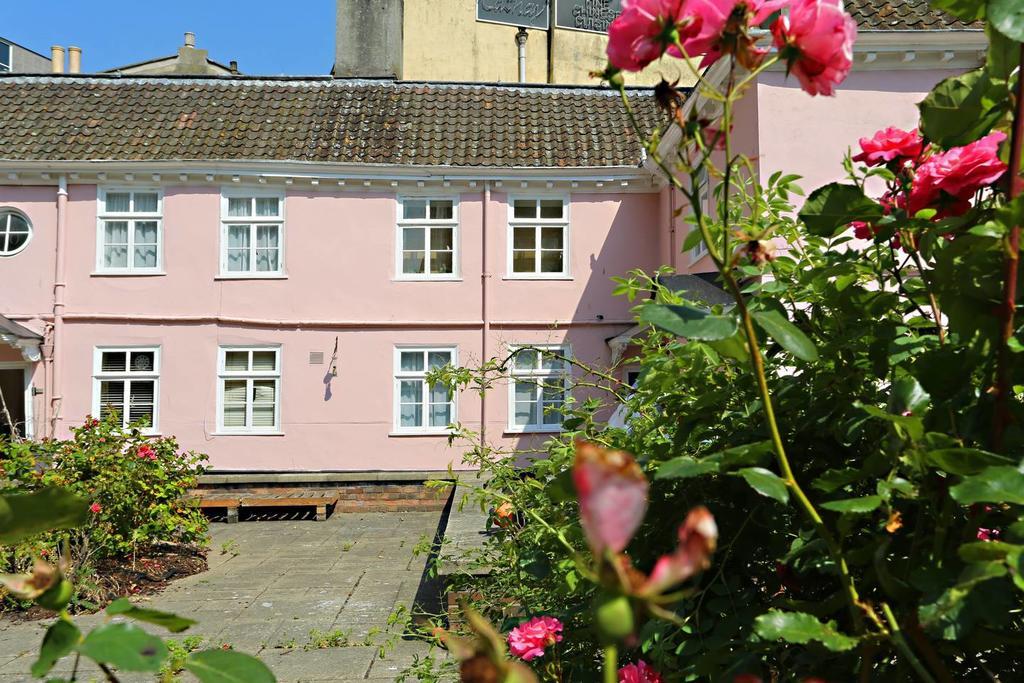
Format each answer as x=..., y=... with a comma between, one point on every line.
x=127, y=273
x=518, y=431
x=427, y=279
x=424, y=432
x=250, y=276
x=223, y=433
x=538, y=277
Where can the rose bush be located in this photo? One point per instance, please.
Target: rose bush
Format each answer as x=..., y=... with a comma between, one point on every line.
x=136, y=487
x=846, y=436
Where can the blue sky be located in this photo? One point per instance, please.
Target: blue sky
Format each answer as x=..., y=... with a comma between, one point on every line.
x=265, y=37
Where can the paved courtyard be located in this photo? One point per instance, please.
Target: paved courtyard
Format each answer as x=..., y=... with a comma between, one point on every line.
x=271, y=583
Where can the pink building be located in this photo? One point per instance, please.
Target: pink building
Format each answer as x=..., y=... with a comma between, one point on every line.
x=266, y=268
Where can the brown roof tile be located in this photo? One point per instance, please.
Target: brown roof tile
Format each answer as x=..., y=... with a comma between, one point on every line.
x=903, y=15
x=65, y=118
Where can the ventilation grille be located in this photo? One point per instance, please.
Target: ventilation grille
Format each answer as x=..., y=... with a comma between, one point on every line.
x=316, y=357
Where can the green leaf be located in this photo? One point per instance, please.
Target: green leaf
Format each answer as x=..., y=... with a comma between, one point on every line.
x=1003, y=54
x=789, y=336
x=228, y=666
x=1015, y=561
x=801, y=628
x=59, y=641
x=1007, y=17
x=747, y=454
x=907, y=395
x=854, y=506
x=833, y=480
x=986, y=551
x=684, y=467
x=125, y=646
x=25, y=515
x=689, y=322
x=968, y=10
x=962, y=108
x=909, y=425
x=963, y=461
x=171, y=622
x=830, y=209
x=732, y=347
x=765, y=482
x=993, y=485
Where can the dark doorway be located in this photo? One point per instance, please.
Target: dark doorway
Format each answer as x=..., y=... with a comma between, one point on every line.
x=12, y=387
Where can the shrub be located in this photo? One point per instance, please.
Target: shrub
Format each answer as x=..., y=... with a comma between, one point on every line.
x=135, y=485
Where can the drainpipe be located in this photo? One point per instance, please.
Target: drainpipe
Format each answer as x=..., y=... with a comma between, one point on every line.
x=551, y=41
x=521, y=36
x=47, y=350
x=59, y=285
x=485, y=276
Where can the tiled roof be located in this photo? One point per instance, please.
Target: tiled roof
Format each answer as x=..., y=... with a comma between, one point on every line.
x=903, y=15
x=316, y=120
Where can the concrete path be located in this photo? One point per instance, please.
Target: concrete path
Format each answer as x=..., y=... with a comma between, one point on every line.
x=272, y=584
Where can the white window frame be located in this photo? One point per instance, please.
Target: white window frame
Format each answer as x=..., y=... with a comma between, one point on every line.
x=254, y=222
x=5, y=213
x=99, y=376
x=398, y=375
x=9, y=66
x=223, y=374
x=428, y=224
x=102, y=216
x=538, y=375
x=564, y=222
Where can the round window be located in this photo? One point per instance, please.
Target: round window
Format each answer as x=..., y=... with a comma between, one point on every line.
x=15, y=232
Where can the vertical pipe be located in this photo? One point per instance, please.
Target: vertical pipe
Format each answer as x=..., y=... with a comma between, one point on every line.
x=521, y=36
x=59, y=286
x=47, y=349
x=485, y=276
x=551, y=41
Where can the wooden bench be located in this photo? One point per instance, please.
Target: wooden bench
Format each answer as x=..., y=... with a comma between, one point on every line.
x=233, y=500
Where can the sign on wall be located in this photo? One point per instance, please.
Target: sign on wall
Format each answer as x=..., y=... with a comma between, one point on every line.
x=526, y=13
x=586, y=15
x=577, y=15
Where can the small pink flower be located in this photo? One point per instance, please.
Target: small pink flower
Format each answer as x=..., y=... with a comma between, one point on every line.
x=528, y=640
x=146, y=452
x=641, y=672
x=948, y=180
x=889, y=144
x=722, y=28
x=698, y=536
x=988, y=534
x=862, y=230
x=95, y=508
x=747, y=678
x=644, y=31
x=612, y=492
x=816, y=40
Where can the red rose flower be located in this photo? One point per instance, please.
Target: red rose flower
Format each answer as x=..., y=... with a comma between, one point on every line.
x=889, y=144
x=948, y=180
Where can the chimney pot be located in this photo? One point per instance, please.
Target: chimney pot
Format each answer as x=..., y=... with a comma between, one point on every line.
x=74, y=59
x=57, y=59
x=190, y=39
x=233, y=66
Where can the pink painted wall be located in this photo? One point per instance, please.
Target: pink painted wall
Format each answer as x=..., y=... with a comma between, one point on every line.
x=809, y=135
x=340, y=262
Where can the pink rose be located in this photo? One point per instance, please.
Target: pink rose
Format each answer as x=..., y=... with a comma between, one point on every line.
x=640, y=672
x=948, y=180
x=988, y=534
x=146, y=452
x=644, y=30
x=862, y=230
x=528, y=640
x=612, y=492
x=95, y=508
x=698, y=536
x=816, y=40
x=722, y=28
x=889, y=144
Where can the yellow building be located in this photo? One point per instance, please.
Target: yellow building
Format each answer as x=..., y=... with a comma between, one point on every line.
x=480, y=40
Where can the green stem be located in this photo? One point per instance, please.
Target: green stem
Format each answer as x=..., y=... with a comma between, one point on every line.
x=611, y=664
x=896, y=636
